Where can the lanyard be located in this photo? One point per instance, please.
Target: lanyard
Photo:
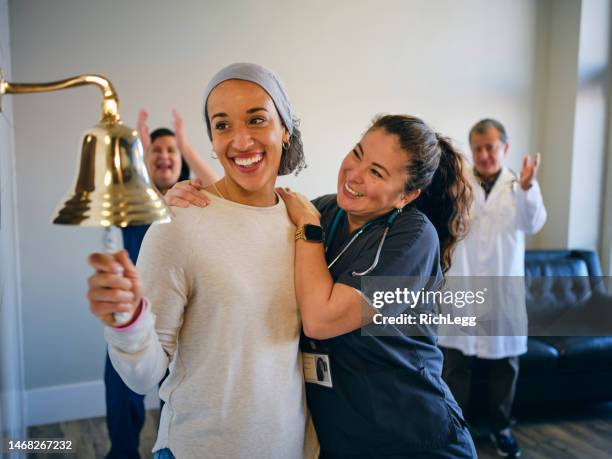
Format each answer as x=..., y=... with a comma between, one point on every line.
x=334, y=228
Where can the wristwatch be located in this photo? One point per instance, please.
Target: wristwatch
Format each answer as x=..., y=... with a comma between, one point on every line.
x=310, y=233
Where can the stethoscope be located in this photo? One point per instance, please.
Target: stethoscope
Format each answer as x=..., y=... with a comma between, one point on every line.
x=334, y=228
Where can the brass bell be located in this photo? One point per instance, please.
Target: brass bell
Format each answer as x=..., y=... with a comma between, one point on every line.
x=113, y=187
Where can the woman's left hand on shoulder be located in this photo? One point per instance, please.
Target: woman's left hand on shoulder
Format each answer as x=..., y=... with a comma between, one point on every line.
x=187, y=192
x=301, y=211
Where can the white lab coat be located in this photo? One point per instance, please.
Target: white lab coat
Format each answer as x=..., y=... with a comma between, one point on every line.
x=495, y=246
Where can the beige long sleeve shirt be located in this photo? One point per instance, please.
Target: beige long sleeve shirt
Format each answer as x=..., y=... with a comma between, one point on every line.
x=224, y=319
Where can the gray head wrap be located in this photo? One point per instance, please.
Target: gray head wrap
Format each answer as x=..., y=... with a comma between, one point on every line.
x=293, y=154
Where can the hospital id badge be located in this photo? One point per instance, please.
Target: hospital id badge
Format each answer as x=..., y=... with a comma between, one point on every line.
x=317, y=369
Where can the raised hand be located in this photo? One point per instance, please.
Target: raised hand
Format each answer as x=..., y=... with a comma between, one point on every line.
x=179, y=130
x=529, y=171
x=186, y=192
x=143, y=129
x=114, y=287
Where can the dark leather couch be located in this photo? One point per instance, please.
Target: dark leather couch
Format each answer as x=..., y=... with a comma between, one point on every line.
x=565, y=291
x=566, y=368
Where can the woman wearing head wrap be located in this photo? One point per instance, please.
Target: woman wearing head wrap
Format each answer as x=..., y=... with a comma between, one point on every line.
x=400, y=208
x=220, y=309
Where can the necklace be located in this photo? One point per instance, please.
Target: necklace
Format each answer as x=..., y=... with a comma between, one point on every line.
x=218, y=192
x=222, y=196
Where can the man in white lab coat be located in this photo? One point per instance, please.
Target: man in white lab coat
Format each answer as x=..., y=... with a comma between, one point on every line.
x=506, y=207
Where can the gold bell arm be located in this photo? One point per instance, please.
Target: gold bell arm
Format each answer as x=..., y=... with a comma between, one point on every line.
x=110, y=100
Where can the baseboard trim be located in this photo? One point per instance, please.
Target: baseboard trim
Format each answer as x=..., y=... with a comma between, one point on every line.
x=70, y=402
x=12, y=404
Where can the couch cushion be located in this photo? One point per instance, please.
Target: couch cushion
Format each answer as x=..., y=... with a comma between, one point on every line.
x=548, y=297
x=556, y=267
x=553, y=284
x=580, y=353
x=540, y=358
x=555, y=314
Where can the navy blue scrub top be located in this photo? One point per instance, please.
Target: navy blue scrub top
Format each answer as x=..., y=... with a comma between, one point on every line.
x=132, y=240
x=388, y=396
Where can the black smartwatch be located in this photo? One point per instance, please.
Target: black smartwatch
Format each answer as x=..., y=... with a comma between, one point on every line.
x=310, y=233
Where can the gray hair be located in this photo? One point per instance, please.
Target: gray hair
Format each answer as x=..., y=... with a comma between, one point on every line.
x=292, y=158
x=485, y=124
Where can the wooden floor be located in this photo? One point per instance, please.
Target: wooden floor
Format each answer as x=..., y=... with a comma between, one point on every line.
x=90, y=437
x=574, y=433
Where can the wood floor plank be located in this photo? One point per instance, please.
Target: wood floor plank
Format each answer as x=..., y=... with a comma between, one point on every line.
x=584, y=433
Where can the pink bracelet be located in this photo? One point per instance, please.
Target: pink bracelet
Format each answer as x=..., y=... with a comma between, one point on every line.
x=142, y=307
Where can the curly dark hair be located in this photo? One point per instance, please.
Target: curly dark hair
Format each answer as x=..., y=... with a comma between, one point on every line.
x=438, y=170
x=293, y=159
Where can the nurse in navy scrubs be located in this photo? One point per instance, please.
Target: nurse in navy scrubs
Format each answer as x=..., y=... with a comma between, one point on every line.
x=380, y=396
x=399, y=210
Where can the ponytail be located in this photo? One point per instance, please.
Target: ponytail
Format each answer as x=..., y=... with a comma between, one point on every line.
x=447, y=199
x=437, y=169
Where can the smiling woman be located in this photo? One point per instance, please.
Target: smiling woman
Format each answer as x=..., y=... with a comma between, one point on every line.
x=247, y=136
x=220, y=310
x=292, y=158
x=367, y=194
x=401, y=205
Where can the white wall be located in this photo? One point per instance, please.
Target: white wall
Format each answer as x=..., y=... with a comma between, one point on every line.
x=606, y=225
x=575, y=127
x=12, y=423
x=591, y=127
x=342, y=62
x=558, y=119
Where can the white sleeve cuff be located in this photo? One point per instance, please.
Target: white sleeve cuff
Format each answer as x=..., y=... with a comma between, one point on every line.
x=133, y=338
